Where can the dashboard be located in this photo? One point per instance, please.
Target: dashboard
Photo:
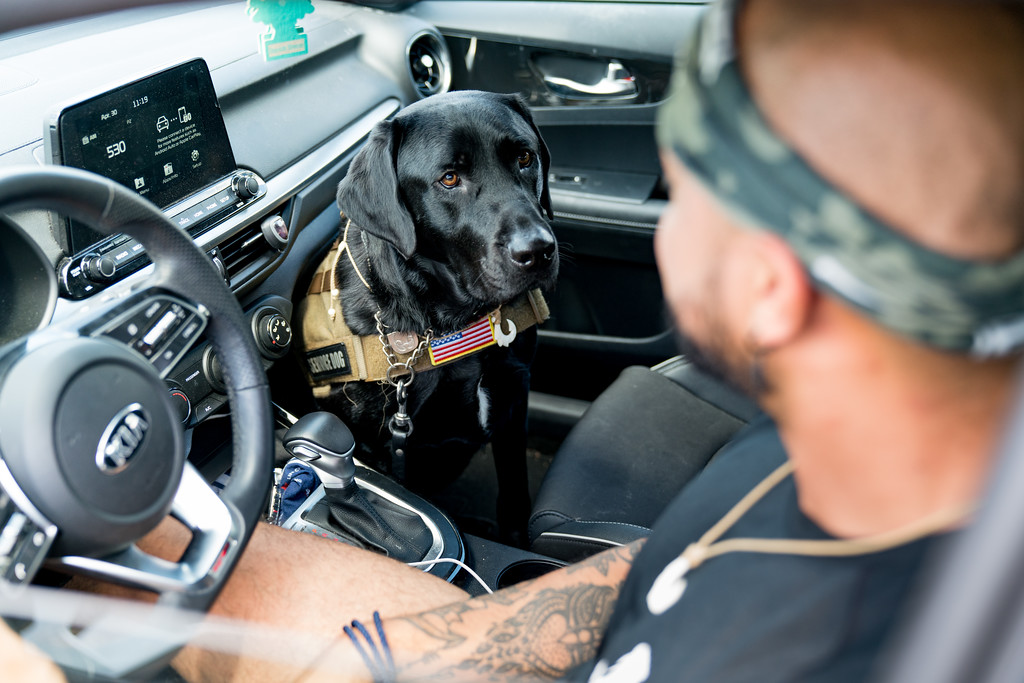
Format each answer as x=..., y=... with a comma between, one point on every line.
x=242, y=152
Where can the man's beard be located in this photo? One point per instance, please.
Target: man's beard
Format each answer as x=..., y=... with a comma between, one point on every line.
x=711, y=357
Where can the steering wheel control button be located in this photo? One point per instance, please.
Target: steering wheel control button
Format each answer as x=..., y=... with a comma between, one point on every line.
x=155, y=337
x=132, y=326
x=12, y=531
x=161, y=329
x=23, y=544
x=177, y=346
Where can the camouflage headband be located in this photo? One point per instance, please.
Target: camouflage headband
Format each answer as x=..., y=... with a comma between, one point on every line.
x=716, y=129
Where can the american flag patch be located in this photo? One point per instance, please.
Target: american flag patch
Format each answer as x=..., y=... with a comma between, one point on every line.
x=477, y=336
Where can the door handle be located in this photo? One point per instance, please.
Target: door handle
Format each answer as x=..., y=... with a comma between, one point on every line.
x=616, y=83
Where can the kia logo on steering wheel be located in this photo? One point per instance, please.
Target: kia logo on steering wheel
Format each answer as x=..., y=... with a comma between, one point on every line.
x=122, y=439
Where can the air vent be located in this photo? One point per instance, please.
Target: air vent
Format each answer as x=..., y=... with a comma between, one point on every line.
x=245, y=254
x=429, y=64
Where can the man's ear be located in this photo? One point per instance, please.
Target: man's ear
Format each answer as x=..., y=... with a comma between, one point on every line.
x=519, y=106
x=369, y=192
x=782, y=296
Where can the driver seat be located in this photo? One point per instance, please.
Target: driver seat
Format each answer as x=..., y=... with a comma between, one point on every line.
x=634, y=449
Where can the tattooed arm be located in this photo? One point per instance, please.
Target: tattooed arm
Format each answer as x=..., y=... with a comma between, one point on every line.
x=539, y=629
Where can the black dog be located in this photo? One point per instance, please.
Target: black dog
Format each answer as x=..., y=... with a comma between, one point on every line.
x=447, y=204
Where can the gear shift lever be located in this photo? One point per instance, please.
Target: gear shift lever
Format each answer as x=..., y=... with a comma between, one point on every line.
x=326, y=443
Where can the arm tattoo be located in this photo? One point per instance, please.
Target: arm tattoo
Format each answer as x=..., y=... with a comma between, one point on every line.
x=555, y=632
x=525, y=631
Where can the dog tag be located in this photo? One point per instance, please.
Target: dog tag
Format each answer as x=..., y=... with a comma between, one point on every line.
x=403, y=342
x=499, y=334
x=500, y=337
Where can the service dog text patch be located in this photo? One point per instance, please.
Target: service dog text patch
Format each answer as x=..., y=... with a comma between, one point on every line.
x=328, y=362
x=477, y=336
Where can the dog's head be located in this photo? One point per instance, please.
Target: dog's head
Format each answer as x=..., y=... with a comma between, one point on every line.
x=460, y=180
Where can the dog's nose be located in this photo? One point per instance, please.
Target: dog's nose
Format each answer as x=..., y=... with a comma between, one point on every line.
x=532, y=250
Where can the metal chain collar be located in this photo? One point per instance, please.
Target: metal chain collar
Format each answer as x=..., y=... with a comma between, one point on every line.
x=393, y=362
x=400, y=424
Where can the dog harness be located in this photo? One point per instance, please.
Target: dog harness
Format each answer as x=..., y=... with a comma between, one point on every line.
x=333, y=354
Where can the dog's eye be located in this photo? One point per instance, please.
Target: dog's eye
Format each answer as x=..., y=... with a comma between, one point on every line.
x=450, y=179
x=525, y=158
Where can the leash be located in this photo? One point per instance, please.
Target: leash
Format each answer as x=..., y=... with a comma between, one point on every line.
x=400, y=424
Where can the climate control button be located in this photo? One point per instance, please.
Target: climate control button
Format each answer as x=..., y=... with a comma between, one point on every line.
x=181, y=404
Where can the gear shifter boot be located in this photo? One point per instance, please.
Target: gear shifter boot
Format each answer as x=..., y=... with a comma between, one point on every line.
x=374, y=522
x=323, y=440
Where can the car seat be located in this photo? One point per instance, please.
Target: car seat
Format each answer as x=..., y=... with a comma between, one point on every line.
x=633, y=450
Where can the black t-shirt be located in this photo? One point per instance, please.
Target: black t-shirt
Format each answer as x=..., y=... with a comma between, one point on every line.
x=754, y=617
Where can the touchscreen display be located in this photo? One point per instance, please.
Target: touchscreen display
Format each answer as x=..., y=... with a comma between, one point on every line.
x=162, y=136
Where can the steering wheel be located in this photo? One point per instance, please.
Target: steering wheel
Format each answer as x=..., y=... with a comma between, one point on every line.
x=91, y=448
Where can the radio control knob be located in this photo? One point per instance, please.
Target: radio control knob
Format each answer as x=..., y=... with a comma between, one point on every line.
x=98, y=268
x=245, y=185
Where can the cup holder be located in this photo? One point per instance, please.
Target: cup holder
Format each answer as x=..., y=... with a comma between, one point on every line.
x=524, y=570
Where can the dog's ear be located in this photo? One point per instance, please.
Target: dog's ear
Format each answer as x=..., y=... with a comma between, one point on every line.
x=518, y=105
x=368, y=194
